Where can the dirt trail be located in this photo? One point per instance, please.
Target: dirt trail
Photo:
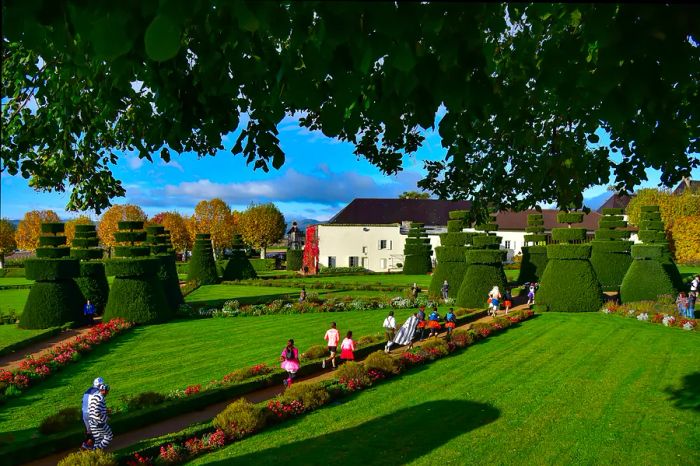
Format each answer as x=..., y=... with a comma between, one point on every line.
x=178, y=423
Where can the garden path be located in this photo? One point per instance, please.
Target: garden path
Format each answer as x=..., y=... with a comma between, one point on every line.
x=12, y=360
x=178, y=423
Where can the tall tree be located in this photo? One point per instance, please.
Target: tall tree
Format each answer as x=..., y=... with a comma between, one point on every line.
x=214, y=217
x=7, y=240
x=177, y=226
x=70, y=227
x=524, y=89
x=414, y=195
x=262, y=225
x=29, y=228
x=109, y=221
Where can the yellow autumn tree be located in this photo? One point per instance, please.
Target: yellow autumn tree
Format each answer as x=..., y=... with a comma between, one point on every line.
x=29, y=228
x=8, y=244
x=176, y=224
x=685, y=239
x=671, y=205
x=110, y=219
x=70, y=227
x=261, y=225
x=213, y=217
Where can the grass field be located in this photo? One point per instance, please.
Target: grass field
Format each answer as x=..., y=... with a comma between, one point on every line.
x=688, y=271
x=560, y=389
x=395, y=279
x=10, y=334
x=170, y=356
x=215, y=295
x=13, y=300
x=15, y=281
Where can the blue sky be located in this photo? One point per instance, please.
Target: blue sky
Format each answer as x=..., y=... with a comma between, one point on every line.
x=319, y=177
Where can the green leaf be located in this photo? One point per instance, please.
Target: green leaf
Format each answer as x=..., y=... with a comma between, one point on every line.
x=246, y=19
x=109, y=36
x=593, y=138
x=162, y=38
x=403, y=58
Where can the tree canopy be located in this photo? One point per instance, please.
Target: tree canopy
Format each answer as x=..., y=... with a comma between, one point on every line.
x=414, y=195
x=524, y=88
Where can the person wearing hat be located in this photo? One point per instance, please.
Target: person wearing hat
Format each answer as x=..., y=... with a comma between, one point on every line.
x=95, y=416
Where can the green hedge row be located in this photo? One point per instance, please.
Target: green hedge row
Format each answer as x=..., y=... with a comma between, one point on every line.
x=52, y=228
x=263, y=265
x=486, y=241
x=568, y=234
x=93, y=284
x=651, y=236
x=52, y=304
x=454, y=239
x=570, y=217
x=417, y=251
x=645, y=280
x=568, y=251
x=52, y=253
x=606, y=223
x=52, y=241
x=533, y=264
x=295, y=259
x=539, y=238
x=484, y=256
x=454, y=226
x=613, y=211
x=238, y=267
x=458, y=215
x=569, y=286
x=51, y=269
x=611, y=235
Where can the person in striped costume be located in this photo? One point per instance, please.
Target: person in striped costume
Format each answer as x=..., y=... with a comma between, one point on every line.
x=95, y=416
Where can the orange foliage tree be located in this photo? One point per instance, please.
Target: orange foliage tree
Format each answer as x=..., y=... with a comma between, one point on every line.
x=29, y=228
x=7, y=240
x=262, y=225
x=685, y=238
x=70, y=227
x=213, y=217
x=176, y=224
x=112, y=216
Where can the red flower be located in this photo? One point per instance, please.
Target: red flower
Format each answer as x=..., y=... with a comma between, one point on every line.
x=193, y=389
x=217, y=439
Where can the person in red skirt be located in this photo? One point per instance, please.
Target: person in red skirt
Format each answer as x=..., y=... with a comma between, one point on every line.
x=434, y=323
x=347, y=348
x=450, y=321
x=420, y=328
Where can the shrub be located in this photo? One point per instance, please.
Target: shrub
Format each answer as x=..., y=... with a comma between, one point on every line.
x=369, y=339
x=478, y=281
x=169, y=282
x=436, y=347
x=51, y=304
x=311, y=395
x=461, y=338
x=609, y=267
x=382, y=362
x=136, y=299
x=143, y=400
x=645, y=279
x=240, y=375
x=294, y=259
x=93, y=284
x=569, y=285
x=315, y=352
x=263, y=265
x=89, y=458
x=353, y=376
x=534, y=261
x=65, y=419
x=238, y=267
x=202, y=267
x=239, y=419
x=417, y=251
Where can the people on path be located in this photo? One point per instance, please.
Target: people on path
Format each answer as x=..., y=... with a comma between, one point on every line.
x=94, y=411
x=290, y=362
x=405, y=334
x=445, y=290
x=414, y=290
x=494, y=300
x=507, y=300
x=434, y=323
x=389, y=326
x=89, y=312
x=332, y=337
x=692, y=298
x=695, y=284
x=302, y=294
x=682, y=304
x=420, y=328
x=450, y=321
x=347, y=348
x=531, y=294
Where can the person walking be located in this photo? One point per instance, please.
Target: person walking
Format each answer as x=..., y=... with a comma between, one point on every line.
x=95, y=416
x=332, y=337
x=389, y=326
x=406, y=333
x=89, y=312
x=302, y=295
x=347, y=348
x=445, y=290
x=450, y=321
x=692, y=298
x=531, y=294
x=290, y=362
x=695, y=284
x=420, y=328
x=414, y=290
x=434, y=323
x=507, y=300
x=494, y=299
x=682, y=304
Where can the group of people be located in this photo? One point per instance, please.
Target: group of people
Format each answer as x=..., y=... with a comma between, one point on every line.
x=414, y=328
x=686, y=302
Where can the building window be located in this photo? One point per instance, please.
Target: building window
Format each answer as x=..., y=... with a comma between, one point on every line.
x=364, y=249
x=507, y=244
x=331, y=261
x=382, y=264
x=353, y=261
x=382, y=244
x=364, y=262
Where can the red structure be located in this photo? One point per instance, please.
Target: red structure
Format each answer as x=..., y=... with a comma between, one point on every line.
x=310, y=258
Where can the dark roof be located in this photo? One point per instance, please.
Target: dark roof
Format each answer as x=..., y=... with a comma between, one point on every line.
x=694, y=186
x=383, y=211
x=616, y=201
x=518, y=220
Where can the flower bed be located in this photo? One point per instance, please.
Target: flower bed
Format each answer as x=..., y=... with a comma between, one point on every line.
x=291, y=404
x=663, y=312
x=32, y=370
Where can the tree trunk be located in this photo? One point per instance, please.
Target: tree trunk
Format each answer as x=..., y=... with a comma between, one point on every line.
x=2, y=261
x=263, y=251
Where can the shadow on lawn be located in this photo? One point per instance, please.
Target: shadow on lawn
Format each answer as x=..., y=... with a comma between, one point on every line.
x=688, y=396
x=398, y=438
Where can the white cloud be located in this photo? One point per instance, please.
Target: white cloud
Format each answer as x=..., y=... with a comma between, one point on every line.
x=134, y=162
x=172, y=164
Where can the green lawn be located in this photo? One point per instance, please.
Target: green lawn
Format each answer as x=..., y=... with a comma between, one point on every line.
x=13, y=300
x=170, y=356
x=395, y=279
x=216, y=295
x=688, y=271
x=560, y=389
x=15, y=281
x=10, y=334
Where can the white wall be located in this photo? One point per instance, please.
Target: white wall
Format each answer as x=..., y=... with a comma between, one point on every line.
x=344, y=241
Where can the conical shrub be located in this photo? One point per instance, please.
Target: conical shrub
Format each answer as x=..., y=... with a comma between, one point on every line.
x=535, y=253
x=451, y=264
x=417, y=251
x=136, y=294
x=295, y=259
x=158, y=238
x=569, y=283
x=610, y=250
x=93, y=277
x=202, y=268
x=484, y=262
x=238, y=267
x=55, y=298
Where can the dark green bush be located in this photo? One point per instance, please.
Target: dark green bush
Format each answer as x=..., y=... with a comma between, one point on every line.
x=144, y=400
x=65, y=419
x=295, y=259
x=132, y=251
x=484, y=256
x=311, y=395
x=51, y=304
x=89, y=458
x=478, y=281
x=93, y=284
x=454, y=239
x=569, y=286
x=417, y=251
x=84, y=228
x=647, y=251
x=613, y=211
x=51, y=269
x=452, y=271
x=568, y=251
x=202, y=268
x=438, y=345
x=264, y=265
x=169, y=282
x=238, y=267
x=451, y=265
x=315, y=352
x=380, y=361
x=657, y=225
x=570, y=217
x=52, y=253
x=535, y=220
x=612, y=235
x=611, y=223
x=610, y=267
x=645, y=280
x=568, y=234
x=649, y=208
x=130, y=225
x=536, y=238
x=449, y=254
x=52, y=241
x=533, y=264
x=455, y=226
x=136, y=267
x=458, y=214
x=137, y=299
x=52, y=228
x=240, y=418
x=203, y=236
x=487, y=227
x=651, y=236
x=85, y=242
x=486, y=241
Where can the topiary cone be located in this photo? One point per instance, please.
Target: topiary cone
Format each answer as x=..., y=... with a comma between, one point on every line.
x=610, y=253
x=417, y=251
x=534, y=259
x=451, y=265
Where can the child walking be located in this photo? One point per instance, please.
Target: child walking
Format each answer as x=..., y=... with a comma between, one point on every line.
x=347, y=348
x=450, y=321
x=507, y=300
x=434, y=323
x=332, y=336
x=531, y=295
x=290, y=361
x=682, y=304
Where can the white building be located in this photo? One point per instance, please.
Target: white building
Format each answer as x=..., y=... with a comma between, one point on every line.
x=372, y=232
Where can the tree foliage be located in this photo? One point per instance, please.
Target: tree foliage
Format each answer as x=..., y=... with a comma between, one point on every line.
x=29, y=228
x=108, y=224
x=176, y=224
x=214, y=217
x=8, y=244
x=524, y=88
x=414, y=195
x=685, y=239
x=70, y=227
x=262, y=225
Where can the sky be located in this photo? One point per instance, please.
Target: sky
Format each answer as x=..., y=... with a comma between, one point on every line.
x=319, y=177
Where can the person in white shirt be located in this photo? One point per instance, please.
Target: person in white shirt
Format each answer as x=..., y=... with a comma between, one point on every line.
x=695, y=284
x=332, y=337
x=389, y=326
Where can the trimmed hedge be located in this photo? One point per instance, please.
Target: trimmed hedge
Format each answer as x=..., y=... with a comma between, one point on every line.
x=610, y=266
x=51, y=304
x=451, y=265
x=613, y=211
x=454, y=239
x=51, y=241
x=417, y=251
x=486, y=241
x=645, y=280
x=294, y=259
x=657, y=225
x=535, y=220
x=263, y=265
x=51, y=269
x=539, y=238
x=93, y=284
x=568, y=251
x=454, y=226
x=651, y=236
x=609, y=223
x=452, y=271
x=649, y=208
x=569, y=286
x=478, y=280
x=238, y=267
x=647, y=251
x=450, y=254
x=130, y=225
x=52, y=253
x=570, y=217
x=84, y=228
x=611, y=235
x=611, y=246
x=568, y=234
x=85, y=243
x=458, y=215
x=533, y=264
x=137, y=299
x=52, y=228
x=202, y=267
x=169, y=282
x=484, y=256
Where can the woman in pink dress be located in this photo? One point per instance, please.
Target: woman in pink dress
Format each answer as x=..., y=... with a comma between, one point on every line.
x=290, y=361
x=347, y=348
